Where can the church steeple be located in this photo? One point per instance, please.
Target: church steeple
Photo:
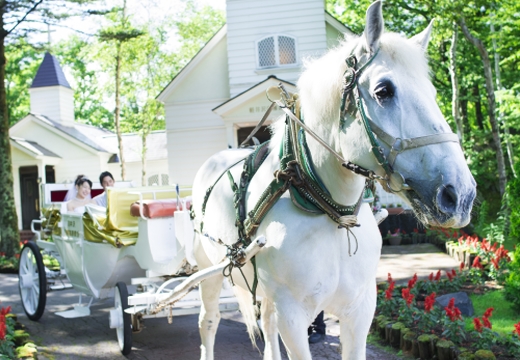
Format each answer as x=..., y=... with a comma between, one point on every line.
x=51, y=94
x=50, y=73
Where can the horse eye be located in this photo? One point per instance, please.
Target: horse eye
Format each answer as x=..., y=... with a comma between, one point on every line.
x=384, y=91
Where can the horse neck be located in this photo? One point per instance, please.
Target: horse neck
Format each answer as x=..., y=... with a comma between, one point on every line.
x=344, y=186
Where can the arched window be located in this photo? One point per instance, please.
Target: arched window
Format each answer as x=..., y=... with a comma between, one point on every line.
x=276, y=50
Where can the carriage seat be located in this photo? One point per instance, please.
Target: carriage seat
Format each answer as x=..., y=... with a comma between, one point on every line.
x=153, y=209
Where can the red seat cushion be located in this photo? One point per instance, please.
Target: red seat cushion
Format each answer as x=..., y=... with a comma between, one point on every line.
x=157, y=208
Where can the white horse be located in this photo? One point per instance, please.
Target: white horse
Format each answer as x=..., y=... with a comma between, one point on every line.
x=306, y=266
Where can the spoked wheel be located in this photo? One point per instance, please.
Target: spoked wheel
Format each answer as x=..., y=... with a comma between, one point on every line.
x=120, y=320
x=32, y=281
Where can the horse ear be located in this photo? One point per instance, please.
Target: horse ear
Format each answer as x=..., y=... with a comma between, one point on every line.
x=374, y=26
x=423, y=38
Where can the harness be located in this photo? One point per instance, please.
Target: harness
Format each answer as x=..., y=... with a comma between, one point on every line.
x=296, y=172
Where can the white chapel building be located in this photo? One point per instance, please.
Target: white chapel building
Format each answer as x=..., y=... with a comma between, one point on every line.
x=215, y=101
x=50, y=146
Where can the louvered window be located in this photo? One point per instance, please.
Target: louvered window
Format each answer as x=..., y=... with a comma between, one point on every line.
x=276, y=50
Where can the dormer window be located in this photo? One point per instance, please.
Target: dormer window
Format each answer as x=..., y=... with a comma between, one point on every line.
x=277, y=50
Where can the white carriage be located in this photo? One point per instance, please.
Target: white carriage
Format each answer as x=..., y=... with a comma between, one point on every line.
x=143, y=240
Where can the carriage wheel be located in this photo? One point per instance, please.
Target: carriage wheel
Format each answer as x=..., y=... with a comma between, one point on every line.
x=124, y=326
x=32, y=281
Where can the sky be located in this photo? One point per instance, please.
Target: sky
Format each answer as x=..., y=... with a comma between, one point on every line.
x=141, y=11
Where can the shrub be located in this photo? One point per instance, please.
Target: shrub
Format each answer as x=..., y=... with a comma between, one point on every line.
x=514, y=203
x=512, y=284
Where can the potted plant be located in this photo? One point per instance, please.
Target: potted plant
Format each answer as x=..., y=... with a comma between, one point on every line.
x=395, y=238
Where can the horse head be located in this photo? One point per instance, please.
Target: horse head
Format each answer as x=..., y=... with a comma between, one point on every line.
x=391, y=99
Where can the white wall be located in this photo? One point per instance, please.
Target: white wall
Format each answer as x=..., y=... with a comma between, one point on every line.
x=189, y=149
x=251, y=20
x=55, y=102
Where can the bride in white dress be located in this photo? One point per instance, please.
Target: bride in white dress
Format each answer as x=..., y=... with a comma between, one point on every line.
x=82, y=185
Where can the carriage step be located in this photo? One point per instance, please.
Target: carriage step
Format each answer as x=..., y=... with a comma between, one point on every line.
x=60, y=287
x=78, y=311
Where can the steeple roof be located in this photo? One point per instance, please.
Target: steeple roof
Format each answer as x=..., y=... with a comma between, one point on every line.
x=50, y=73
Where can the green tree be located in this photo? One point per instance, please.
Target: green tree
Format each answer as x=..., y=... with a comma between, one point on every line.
x=22, y=63
x=118, y=34
x=16, y=19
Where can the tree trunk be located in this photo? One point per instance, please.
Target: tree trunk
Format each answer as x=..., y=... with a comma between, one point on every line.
x=117, y=112
x=502, y=178
x=464, y=106
x=144, y=135
x=478, y=107
x=509, y=147
x=455, y=105
x=9, y=234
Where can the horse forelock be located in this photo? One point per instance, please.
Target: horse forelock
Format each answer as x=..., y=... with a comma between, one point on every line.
x=405, y=53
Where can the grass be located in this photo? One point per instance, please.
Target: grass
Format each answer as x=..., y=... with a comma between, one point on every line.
x=504, y=316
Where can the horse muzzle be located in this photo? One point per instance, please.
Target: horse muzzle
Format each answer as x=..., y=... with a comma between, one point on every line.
x=448, y=205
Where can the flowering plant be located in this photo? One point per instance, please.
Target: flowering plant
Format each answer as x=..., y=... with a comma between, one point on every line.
x=6, y=331
x=482, y=330
x=388, y=304
x=431, y=315
x=397, y=232
x=453, y=323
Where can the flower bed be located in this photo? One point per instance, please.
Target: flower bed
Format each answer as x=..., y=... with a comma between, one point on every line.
x=14, y=340
x=409, y=318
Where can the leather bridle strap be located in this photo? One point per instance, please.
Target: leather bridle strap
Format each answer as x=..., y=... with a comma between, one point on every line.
x=398, y=145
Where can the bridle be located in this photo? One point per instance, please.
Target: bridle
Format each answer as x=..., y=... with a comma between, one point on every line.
x=393, y=181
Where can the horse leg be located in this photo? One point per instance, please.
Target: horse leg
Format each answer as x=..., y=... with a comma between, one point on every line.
x=293, y=322
x=268, y=319
x=209, y=316
x=355, y=326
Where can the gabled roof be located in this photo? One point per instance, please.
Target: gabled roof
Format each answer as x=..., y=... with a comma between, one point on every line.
x=33, y=147
x=250, y=93
x=87, y=134
x=193, y=63
x=49, y=73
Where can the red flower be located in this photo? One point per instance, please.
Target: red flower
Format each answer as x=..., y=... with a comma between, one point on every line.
x=488, y=313
x=415, y=230
x=5, y=311
x=412, y=281
x=477, y=324
x=3, y=329
x=388, y=292
x=438, y=276
x=17, y=256
x=453, y=273
x=405, y=292
x=448, y=274
x=429, y=302
x=2, y=254
x=461, y=266
x=452, y=311
x=451, y=303
x=517, y=329
x=407, y=296
x=486, y=321
x=476, y=263
x=430, y=277
x=389, y=278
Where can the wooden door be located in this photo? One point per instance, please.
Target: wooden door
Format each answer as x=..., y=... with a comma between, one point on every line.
x=30, y=195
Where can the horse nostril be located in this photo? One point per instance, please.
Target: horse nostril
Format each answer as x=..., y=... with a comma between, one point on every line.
x=447, y=199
